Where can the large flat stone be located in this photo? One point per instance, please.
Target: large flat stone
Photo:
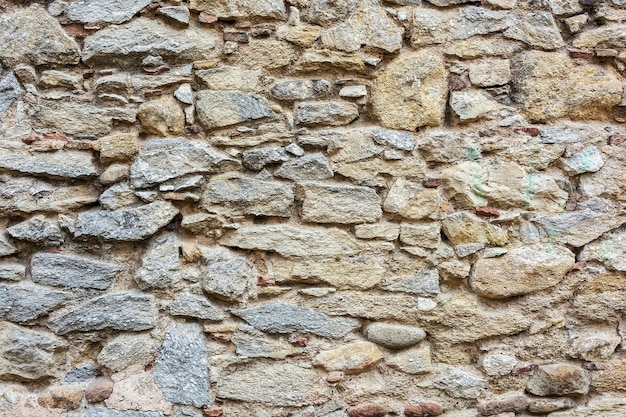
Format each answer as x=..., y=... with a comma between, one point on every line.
x=558, y=379
x=227, y=9
x=127, y=349
x=197, y=306
x=281, y=317
x=109, y=11
x=351, y=358
x=331, y=113
x=219, y=108
x=73, y=271
x=538, y=30
x=290, y=240
x=227, y=275
x=606, y=36
x=118, y=311
x=181, y=370
x=108, y=412
x=160, y=264
x=64, y=164
x=24, y=302
x=38, y=229
x=338, y=203
x=135, y=223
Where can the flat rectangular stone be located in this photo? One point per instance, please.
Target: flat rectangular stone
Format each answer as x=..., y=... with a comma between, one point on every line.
x=335, y=203
x=64, y=163
x=68, y=270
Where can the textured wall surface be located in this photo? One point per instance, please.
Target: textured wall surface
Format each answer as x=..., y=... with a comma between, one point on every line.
x=312, y=208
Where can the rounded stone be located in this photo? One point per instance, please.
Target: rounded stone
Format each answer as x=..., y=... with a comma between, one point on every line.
x=394, y=336
x=99, y=389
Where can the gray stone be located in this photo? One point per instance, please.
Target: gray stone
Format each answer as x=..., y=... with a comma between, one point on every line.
x=186, y=412
x=256, y=159
x=411, y=200
x=117, y=196
x=24, y=302
x=324, y=12
x=182, y=183
x=252, y=343
x=281, y=384
x=127, y=350
x=135, y=223
x=332, y=113
x=6, y=247
x=280, y=317
x=564, y=7
x=191, y=305
x=181, y=370
x=12, y=271
x=589, y=159
x=383, y=231
x=290, y=240
x=220, y=108
x=538, y=30
x=131, y=42
x=558, y=379
x=425, y=282
x=415, y=361
x=313, y=166
x=459, y=383
x=230, y=78
x=72, y=271
x=123, y=310
x=301, y=89
x=184, y=94
x=10, y=89
x=38, y=229
x=28, y=354
x=109, y=11
x=178, y=14
x=227, y=275
x=236, y=195
x=395, y=138
x=165, y=159
x=353, y=91
x=108, y=412
x=227, y=9
x=394, y=336
x=468, y=249
x=160, y=264
x=65, y=164
x=47, y=43
x=334, y=203
x=83, y=372
x=498, y=364
x=609, y=250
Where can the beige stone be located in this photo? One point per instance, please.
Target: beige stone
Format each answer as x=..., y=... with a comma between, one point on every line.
x=162, y=116
x=471, y=105
x=425, y=235
x=490, y=72
x=463, y=228
x=558, y=379
x=607, y=36
x=230, y=78
x=479, y=47
x=338, y=203
x=324, y=60
x=300, y=35
x=415, y=361
x=412, y=201
x=263, y=53
x=134, y=389
x=382, y=230
x=118, y=147
x=351, y=358
x=67, y=397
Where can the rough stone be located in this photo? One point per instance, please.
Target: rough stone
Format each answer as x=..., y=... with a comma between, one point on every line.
x=109, y=11
x=42, y=40
x=378, y=307
x=368, y=410
x=115, y=173
x=181, y=370
x=394, y=336
x=38, y=229
x=225, y=9
x=314, y=166
x=416, y=360
x=227, y=275
x=538, y=30
x=127, y=350
x=134, y=389
x=590, y=159
x=6, y=247
x=10, y=90
x=334, y=203
x=470, y=105
x=219, y=108
x=320, y=60
x=301, y=89
x=412, y=201
x=280, y=317
x=12, y=271
x=24, y=302
x=99, y=389
x=351, y=358
x=191, y=305
x=117, y=196
x=62, y=164
x=548, y=405
x=427, y=410
x=123, y=310
x=178, y=14
x=558, y=379
x=107, y=412
x=383, y=231
x=332, y=113
x=73, y=271
x=353, y=91
x=594, y=345
x=479, y=47
x=257, y=158
x=67, y=397
x=498, y=364
x=424, y=282
x=135, y=223
x=411, y=91
x=564, y=7
x=465, y=228
x=509, y=405
x=458, y=382
x=162, y=116
x=395, y=139
x=426, y=235
x=230, y=78
x=490, y=72
x=118, y=147
x=59, y=79
x=606, y=36
x=252, y=343
x=160, y=264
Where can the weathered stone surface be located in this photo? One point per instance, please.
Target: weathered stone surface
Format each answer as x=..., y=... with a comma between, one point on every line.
x=28, y=354
x=334, y=203
x=236, y=195
x=67, y=397
x=263, y=53
x=558, y=379
x=6, y=247
x=314, y=166
x=273, y=384
x=110, y=11
x=609, y=250
x=257, y=158
x=62, y=164
x=394, y=336
x=411, y=200
x=230, y=78
x=425, y=235
x=38, y=229
x=368, y=410
x=594, y=345
x=10, y=89
x=498, y=364
x=590, y=159
x=219, y=108
x=464, y=228
x=396, y=139
x=429, y=409
x=416, y=360
x=479, y=47
x=42, y=40
x=123, y=310
x=240, y=8
x=118, y=147
x=522, y=270
x=384, y=231
x=99, y=389
x=424, y=282
x=117, y=196
x=162, y=116
x=564, y=7
x=252, y=343
x=370, y=306
x=411, y=91
x=127, y=350
x=281, y=317
x=290, y=240
x=606, y=36
x=332, y=113
x=368, y=25
x=131, y=42
x=593, y=91
x=458, y=382
x=509, y=405
x=612, y=377
x=12, y=271
x=73, y=271
x=351, y=358
x=191, y=305
x=160, y=264
x=181, y=370
x=179, y=14
x=548, y=405
x=126, y=223
x=107, y=412
x=316, y=60
x=301, y=35
x=134, y=389
x=301, y=89
x=490, y=72
x=538, y=30
x=227, y=275
x=26, y=301
x=470, y=105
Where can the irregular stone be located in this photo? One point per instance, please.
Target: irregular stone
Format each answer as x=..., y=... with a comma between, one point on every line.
x=115, y=173
x=109, y=11
x=118, y=196
x=313, y=166
x=394, y=336
x=122, y=310
x=427, y=410
x=236, y=195
x=225, y=9
x=601, y=299
x=459, y=383
x=609, y=250
x=201, y=223
x=160, y=264
x=522, y=270
x=29, y=354
x=273, y=384
x=558, y=379
x=118, y=147
x=301, y=35
x=353, y=91
x=263, y=53
x=131, y=42
x=38, y=229
x=178, y=14
x=564, y=7
x=368, y=25
x=368, y=410
x=229, y=78
x=10, y=89
x=46, y=40
x=383, y=231
x=422, y=81
x=181, y=370
x=6, y=247
x=280, y=317
x=538, y=30
x=498, y=364
x=612, y=377
x=73, y=271
x=490, y=72
x=427, y=235
x=361, y=272
x=332, y=113
x=162, y=116
x=227, y=275
x=24, y=302
x=64, y=164
x=465, y=228
x=12, y=271
x=590, y=159
x=191, y=305
x=301, y=89
x=576, y=23
x=594, y=345
x=414, y=361
x=127, y=350
x=82, y=372
x=392, y=307
x=480, y=47
x=593, y=92
x=59, y=79
x=131, y=224
x=221, y=108
x=134, y=389
x=184, y=94
x=325, y=60
x=424, y=282
x=509, y=405
x=396, y=139
x=147, y=82
x=330, y=203
x=290, y=240
x=412, y=201
x=252, y=343
x=351, y=358
x=606, y=36
x=67, y=397
x=107, y=412
x=548, y=405
x=324, y=12
x=99, y=389
x=471, y=105
x=256, y=159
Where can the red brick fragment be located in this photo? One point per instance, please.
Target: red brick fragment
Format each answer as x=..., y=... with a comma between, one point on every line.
x=207, y=18
x=606, y=53
x=487, y=212
x=423, y=410
x=580, y=53
x=265, y=282
x=432, y=182
x=300, y=342
x=531, y=131
x=368, y=410
x=213, y=412
x=617, y=139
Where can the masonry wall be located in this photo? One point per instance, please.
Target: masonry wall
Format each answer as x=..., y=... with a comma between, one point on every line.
x=312, y=208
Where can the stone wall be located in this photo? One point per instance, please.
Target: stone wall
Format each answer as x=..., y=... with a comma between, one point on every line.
x=312, y=208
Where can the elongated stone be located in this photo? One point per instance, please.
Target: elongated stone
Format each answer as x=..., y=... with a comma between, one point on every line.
x=219, y=108
x=197, y=306
x=110, y=11
x=227, y=9
x=67, y=270
x=63, y=164
x=24, y=302
x=332, y=113
x=10, y=89
x=335, y=203
x=394, y=336
x=352, y=358
x=38, y=229
x=160, y=264
x=108, y=412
